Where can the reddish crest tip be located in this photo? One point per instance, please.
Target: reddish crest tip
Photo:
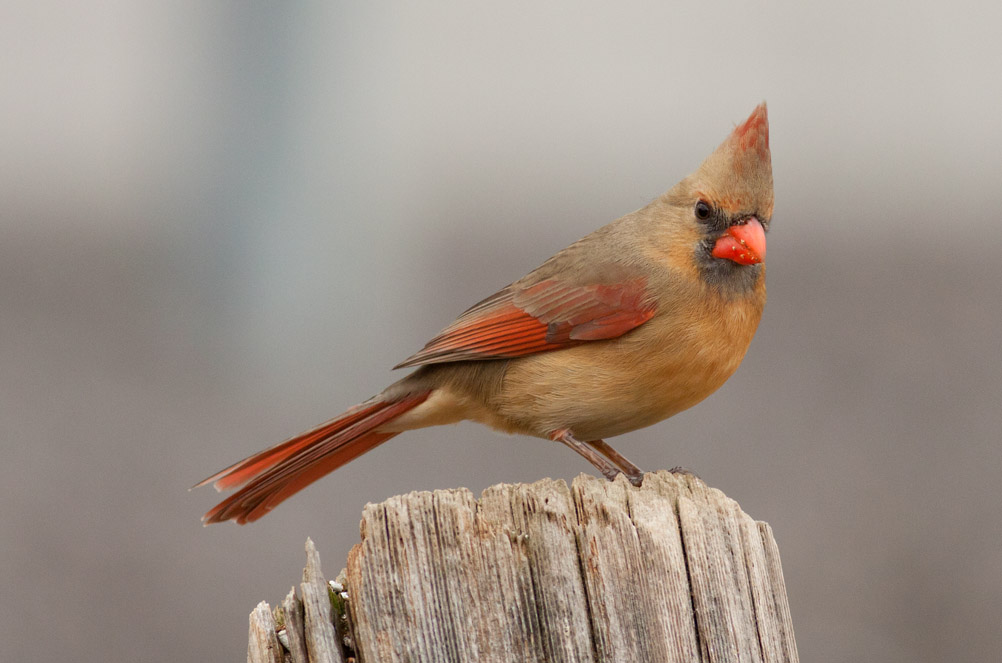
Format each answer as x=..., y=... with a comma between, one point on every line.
x=754, y=132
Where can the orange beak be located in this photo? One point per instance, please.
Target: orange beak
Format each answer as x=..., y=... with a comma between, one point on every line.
x=744, y=243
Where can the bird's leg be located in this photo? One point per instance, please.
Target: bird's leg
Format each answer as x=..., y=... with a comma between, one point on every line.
x=632, y=472
x=601, y=463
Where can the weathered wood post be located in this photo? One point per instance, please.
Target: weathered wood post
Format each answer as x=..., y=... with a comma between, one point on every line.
x=600, y=571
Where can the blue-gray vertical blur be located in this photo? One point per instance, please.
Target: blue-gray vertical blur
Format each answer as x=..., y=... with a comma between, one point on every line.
x=221, y=223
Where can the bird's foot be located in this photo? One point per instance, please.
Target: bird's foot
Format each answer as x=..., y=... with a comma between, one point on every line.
x=678, y=469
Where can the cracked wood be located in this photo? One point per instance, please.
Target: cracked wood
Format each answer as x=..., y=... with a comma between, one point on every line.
x=599, y=571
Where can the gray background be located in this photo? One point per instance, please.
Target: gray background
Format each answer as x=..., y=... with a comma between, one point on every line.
x=222, y=223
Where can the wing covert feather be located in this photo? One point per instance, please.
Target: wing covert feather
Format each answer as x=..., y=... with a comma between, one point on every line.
x=545, y=316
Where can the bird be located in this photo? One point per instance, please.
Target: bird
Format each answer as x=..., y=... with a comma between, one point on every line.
x=637, y=321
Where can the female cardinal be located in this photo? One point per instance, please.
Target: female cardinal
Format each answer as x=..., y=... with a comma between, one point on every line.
x=635, y=322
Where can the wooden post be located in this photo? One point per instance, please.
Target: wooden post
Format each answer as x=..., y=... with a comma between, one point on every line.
x=600, y=571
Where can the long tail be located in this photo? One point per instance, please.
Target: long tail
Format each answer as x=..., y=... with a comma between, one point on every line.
x=278, y=473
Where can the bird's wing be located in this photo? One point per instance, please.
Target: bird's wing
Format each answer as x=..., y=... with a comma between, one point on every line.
x=543, y=316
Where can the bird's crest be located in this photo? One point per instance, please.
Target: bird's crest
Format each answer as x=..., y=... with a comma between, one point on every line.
x=740, y=170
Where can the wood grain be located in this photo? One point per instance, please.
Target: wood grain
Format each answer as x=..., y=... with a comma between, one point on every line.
x=262, y=642
x=601, y=571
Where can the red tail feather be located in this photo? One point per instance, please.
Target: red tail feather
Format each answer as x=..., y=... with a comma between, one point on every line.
x=277, y=473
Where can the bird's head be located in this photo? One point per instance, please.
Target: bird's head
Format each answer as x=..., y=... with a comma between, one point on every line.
x=726, y=204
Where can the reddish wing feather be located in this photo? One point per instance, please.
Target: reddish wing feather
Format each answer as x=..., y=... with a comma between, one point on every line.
x=545, y=316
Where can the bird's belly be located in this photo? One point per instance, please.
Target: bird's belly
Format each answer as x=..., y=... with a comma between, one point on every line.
x=603, y=391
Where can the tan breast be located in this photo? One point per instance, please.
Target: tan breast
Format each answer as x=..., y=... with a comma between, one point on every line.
x=606, y=388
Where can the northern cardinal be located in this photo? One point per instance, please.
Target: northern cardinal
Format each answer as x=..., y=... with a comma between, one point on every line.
x=635, y=322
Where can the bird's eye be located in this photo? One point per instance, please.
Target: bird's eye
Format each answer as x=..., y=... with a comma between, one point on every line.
x=703, y=210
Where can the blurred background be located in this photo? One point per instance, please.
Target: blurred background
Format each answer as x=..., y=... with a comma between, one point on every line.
x=221, y=223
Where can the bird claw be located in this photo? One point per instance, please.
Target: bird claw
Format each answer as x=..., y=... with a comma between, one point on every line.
x=636, y=479
x=678, y=469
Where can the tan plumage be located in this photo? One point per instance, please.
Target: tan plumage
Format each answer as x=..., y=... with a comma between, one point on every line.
x=635, y=322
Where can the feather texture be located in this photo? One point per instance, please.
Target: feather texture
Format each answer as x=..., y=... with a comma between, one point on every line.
x=277, y=473
x=545, y=316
